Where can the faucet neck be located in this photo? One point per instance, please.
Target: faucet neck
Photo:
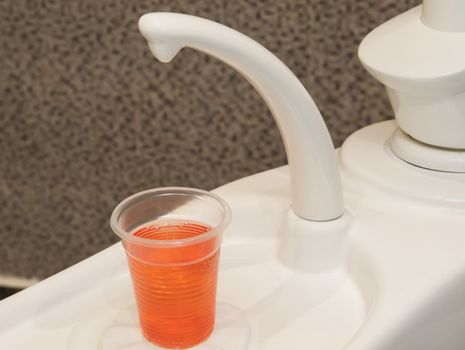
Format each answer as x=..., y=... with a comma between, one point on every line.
x=315, y=180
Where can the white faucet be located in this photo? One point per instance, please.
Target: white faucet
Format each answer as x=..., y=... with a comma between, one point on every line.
x=315, y=179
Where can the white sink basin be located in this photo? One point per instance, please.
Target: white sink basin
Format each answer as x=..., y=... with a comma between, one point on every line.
x=404, y=286
x=261, y=303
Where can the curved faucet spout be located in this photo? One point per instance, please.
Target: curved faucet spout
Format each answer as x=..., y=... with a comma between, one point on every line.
x=315, y=179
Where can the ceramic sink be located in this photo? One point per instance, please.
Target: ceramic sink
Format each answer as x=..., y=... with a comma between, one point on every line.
x=402, y=288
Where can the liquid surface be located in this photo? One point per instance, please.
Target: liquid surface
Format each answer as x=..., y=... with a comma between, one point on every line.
x=176, y=303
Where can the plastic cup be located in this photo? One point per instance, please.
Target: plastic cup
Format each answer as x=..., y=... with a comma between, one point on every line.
x=172, y=240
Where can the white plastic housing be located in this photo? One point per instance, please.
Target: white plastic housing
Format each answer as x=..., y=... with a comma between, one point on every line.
x=423, y=70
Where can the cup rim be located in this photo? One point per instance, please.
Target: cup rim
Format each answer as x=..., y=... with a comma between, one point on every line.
x=128, y=237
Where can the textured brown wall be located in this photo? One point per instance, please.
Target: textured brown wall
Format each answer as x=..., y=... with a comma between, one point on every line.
x=88, y=116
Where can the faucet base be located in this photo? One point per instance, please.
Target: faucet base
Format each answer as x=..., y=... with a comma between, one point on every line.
x=313, y=246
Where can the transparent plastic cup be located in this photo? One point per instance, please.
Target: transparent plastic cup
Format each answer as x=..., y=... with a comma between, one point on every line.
x=172, y=240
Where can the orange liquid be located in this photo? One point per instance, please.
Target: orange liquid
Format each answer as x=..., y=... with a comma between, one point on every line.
x=176, y=303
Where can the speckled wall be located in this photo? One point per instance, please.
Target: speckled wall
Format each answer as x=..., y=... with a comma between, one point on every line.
x=88, y=116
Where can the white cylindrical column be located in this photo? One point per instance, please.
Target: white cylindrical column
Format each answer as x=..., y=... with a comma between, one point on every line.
x=444, y=15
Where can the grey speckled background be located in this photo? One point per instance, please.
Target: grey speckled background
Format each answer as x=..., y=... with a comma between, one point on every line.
x=88, y=116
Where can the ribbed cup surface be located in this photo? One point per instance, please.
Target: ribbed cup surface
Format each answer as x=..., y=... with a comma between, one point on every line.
x=176, y=303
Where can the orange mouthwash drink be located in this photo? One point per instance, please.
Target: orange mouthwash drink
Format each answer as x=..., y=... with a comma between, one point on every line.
x=176, y=301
